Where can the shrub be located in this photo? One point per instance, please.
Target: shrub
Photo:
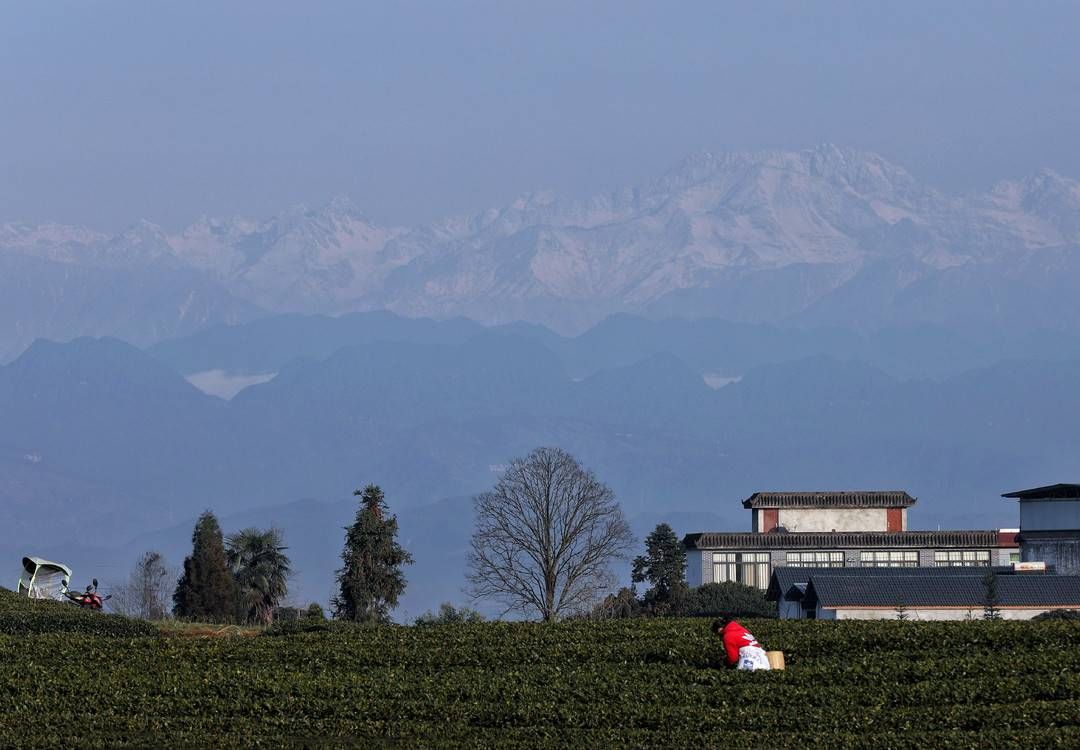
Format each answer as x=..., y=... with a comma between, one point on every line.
x=296, y=626
x=290, y=620
x=287, y=614
x=735, y=599
x=620, y=605
x=1058, y=614
x=448, y=614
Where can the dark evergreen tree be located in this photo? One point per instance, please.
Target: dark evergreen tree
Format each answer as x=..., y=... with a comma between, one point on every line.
x=371, y=580
x=206, y=589
x=663, y=566
x=990, y=596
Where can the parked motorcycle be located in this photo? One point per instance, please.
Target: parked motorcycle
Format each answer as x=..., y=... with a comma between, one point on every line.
x=89, y=599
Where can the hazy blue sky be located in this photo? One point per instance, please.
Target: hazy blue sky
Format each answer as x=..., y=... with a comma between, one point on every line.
x=113, y=111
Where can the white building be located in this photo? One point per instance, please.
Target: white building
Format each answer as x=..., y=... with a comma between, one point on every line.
x=1050, y=526
x=835, y=530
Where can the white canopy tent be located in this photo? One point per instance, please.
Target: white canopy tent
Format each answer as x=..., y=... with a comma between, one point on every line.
x=43, y=579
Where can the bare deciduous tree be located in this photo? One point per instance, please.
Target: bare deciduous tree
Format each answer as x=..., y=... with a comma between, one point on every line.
x=545, y=537
x=146, y=592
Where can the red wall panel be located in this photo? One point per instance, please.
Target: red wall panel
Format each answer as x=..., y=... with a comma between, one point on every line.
x=895, y=519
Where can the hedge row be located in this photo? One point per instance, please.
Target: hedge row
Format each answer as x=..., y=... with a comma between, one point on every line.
x=20, y=616
x=638, y=683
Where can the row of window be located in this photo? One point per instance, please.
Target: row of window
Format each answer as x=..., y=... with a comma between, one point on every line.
x=753, y=569
x=954, y=558
x=889, y=558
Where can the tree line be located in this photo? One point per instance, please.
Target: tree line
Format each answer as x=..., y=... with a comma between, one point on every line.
x=244, y=577
x=545, y=540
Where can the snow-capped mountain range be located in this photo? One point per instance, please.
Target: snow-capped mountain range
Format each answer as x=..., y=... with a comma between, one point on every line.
x=822, y=235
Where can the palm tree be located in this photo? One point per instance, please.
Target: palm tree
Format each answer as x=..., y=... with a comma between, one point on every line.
x=262, y=569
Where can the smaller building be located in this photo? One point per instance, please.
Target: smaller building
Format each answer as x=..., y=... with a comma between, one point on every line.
x=932, y=596
x=788, y=584
x=876, y=510
x=1050, y=526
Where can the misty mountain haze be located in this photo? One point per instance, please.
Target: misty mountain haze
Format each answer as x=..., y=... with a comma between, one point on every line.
x=432, y=410
x=825, y=236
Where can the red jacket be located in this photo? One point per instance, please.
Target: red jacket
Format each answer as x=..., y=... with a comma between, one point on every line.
x=735, y=637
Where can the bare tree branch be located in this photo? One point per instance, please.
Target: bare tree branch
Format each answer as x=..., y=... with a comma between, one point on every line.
x=146, y=592
x=545, y=536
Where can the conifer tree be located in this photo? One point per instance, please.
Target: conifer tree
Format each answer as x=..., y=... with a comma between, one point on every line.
x=371, y=579
x=207, y=589
x=663, y=565
x=990, y=596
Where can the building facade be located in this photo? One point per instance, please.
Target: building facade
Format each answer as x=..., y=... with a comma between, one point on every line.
x=933, y=595
x=1050, y=526
x=835, y=530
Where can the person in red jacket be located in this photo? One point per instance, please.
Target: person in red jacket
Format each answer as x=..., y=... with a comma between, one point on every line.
x=741, y=649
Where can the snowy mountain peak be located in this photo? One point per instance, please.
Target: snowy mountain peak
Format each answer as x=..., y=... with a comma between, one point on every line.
x=341, y=206
x=1044, y=205
x=809, y=222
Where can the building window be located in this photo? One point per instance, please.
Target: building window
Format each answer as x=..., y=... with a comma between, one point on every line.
x=724, y=567
x=750, y=568
x=1014, y=557
x=754, y=569
x=815, y=559
x=961, y=558
x=889, y=558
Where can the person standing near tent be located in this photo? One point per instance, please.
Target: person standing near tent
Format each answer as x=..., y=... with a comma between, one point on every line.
x=741, y=649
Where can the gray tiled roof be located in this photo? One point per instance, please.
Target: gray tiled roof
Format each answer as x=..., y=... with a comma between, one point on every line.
x=1049, y=492
x=839, y=539
x=846, y=499
x=930, y=590
x=786, y=576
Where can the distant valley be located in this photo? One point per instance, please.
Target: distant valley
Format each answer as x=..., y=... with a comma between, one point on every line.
x=430, y=410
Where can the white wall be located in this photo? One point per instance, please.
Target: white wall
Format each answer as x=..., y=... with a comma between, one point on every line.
x=1049, y=515
x=834, y=519
x=918, y=613
x=695, y=566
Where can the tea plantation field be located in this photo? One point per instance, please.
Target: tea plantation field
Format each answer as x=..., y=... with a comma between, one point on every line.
x=642, y=683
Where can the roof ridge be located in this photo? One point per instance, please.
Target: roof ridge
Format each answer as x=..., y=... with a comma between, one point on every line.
x=830, y=498
x=801, y=539
x=938, y=590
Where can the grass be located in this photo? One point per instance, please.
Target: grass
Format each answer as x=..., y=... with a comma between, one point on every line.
x=184, y=629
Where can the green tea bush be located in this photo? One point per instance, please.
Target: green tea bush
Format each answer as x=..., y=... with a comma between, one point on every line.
x=626, y=683
x=21, y=616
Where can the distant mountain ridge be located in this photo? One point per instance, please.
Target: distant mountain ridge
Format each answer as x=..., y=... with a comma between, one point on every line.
x=102, y=442
x=827, y=234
